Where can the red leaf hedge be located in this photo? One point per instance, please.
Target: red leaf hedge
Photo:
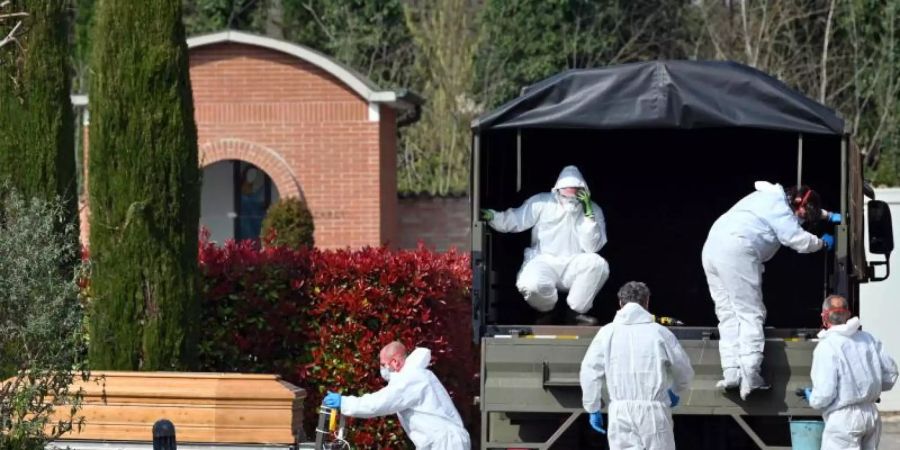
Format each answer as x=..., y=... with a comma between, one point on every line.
x=319, y=319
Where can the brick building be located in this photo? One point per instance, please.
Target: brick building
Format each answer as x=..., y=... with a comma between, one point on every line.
x=276, y=119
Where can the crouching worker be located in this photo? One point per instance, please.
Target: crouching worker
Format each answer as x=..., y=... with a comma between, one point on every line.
x=567, y=231
x=415, y=395
x=850, y=370
x=645, y=370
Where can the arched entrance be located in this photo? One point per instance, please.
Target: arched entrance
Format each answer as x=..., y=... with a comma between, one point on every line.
x=235, y=197
x=240, y=181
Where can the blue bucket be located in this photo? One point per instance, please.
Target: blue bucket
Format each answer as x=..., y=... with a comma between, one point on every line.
x=806, y=434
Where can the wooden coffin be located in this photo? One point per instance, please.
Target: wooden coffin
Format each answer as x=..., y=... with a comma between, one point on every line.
x=204, y=407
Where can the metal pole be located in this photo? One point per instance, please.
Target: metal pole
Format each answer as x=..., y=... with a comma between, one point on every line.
x=518, y=159
x=799, y=160
x=164, y=435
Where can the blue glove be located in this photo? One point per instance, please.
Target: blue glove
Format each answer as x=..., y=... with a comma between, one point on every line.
x=804, y=393
x=596, y=420
x=332, y=400
x=829, y=241
x=835, y=217
x=674, y=398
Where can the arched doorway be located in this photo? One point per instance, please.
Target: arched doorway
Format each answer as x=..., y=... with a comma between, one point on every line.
x=234, y=200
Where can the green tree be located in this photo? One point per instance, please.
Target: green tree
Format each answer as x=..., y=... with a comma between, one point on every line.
x=41, y=331
x=844, y=53
x=36, y=119
x=291, y=222
x=209, y=16
x=144, y=189
x=369, y=36
x=435, y=151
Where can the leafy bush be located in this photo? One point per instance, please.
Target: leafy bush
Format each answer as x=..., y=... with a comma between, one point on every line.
x=319, y=319
x=253, y=307
x=41, y=339
x=288, y=223
x=365, y=299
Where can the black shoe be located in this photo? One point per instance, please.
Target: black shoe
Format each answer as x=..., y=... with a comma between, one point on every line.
x=586, y=320
x=547, y=318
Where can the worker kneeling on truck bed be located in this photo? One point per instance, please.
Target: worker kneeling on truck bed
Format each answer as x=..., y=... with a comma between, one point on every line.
x=567, y=231
x=740, y=241
x=850, y=370
x=645, y=370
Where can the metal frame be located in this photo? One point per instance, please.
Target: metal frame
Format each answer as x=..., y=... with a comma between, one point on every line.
x=531, y=371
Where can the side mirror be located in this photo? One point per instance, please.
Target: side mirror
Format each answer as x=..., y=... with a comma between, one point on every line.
x=868, y=190
x=881, y=237
x=881, y=231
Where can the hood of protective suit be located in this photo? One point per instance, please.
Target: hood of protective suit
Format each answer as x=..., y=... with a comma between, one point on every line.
x=846, y=329
x=632, y=313
x=419, y=358
x=765, y=186
x=570, y=176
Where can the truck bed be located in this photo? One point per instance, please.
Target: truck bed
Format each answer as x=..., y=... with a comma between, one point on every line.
x=529, y=374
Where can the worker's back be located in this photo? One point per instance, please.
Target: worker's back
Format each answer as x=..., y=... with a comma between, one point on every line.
x=850, y=367
x=431, y=415
x=640, y=357
x=637, y=357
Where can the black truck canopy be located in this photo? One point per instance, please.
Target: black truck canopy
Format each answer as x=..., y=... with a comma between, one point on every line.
x=666, y=147
x=664, y=94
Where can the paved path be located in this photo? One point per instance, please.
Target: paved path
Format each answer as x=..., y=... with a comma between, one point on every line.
x=890, y=432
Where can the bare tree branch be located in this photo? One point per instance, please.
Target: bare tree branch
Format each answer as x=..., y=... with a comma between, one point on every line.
x=823, y=83
x=11, y=21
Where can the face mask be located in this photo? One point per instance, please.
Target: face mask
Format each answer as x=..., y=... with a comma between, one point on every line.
x=385, y=373
x=569, y=204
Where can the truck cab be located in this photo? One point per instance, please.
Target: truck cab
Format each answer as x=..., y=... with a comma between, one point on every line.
x=666, y=147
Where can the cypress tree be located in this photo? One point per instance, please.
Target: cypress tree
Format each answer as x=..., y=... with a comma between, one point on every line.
x=144, y=187
x=37, y=152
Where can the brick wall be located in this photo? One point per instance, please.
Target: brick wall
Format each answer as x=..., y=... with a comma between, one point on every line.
x=312, y=134
x=309, y=131
x=440, y=222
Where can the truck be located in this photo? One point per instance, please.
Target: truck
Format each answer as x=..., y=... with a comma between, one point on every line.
x=666, y=147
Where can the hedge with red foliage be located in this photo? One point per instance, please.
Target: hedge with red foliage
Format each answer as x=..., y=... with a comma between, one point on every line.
x=319, y=318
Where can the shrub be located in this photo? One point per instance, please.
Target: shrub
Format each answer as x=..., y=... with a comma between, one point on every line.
x=367, y=298
x=41, y=340
x=288, y=223
x=254, y=305
x=319, y=319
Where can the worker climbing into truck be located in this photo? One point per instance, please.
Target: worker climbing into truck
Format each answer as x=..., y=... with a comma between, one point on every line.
x=645, y=370
x=850, y=370
x=739, y=243
x=567, y=231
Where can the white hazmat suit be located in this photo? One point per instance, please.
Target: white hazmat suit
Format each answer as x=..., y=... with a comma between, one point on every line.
x=850, y=370
x=564, y=245
x=420, y=401
x=740, y=241
x=639, y=361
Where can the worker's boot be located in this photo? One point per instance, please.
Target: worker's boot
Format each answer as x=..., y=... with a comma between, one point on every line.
x=586, y=320
x=546, y=318
x=751, y=383
x=731, y=379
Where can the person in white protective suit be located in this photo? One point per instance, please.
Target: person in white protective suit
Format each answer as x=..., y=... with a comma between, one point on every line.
x=645, y=371
x=740, y=241
x=567, y=231
x=415, y=395
x=850, y=370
